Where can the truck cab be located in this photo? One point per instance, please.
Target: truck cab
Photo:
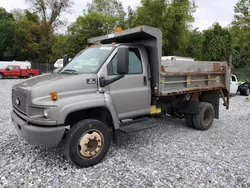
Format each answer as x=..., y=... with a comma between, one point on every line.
x=118, y=77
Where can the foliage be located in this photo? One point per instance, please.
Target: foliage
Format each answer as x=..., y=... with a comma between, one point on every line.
x=194, y=47
x=6, y=34
x=30, y=34
x=88, y=26
x=217, y=44
x=50, y=10
x=172, y=17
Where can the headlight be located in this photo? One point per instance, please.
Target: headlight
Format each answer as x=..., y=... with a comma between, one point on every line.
x=46, y=113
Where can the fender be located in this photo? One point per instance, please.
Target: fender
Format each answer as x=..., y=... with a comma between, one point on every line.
x=84, y=102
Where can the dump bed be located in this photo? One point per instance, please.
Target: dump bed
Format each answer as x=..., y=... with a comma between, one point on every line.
x=179, y=77
x=171, y=77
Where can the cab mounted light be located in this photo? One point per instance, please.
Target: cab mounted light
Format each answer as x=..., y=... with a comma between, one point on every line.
x=118, y=29
x=53, y=96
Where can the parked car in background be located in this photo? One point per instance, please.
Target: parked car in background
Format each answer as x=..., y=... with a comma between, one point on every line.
x=17, y=71
x=244, y=89
x=59, y=63
x=234, y=84
x=57, y=70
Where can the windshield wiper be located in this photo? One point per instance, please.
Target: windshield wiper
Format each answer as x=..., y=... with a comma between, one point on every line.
x=70, y=71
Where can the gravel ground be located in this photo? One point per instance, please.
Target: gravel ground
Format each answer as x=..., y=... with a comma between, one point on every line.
x=169, y=155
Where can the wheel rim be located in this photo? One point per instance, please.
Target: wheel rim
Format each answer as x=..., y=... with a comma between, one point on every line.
x=90, y=144
x=248, y=91
x=207, y=117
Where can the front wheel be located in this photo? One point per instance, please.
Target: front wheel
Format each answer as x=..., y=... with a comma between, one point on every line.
x=1, y=75
x=87, y=143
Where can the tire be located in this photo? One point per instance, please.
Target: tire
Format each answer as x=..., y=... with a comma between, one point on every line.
x=1, y=75
x=247, y=92
x=189, y=120
x=30, y=75
x=205, y=118
x=87, y=143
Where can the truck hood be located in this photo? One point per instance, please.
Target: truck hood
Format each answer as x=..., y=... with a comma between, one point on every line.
x=39, y=87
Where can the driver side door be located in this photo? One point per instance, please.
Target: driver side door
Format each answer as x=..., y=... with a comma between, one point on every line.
x=9, y=71
x=131, y=94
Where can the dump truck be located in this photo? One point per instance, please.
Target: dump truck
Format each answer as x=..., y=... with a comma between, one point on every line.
x=118, y=83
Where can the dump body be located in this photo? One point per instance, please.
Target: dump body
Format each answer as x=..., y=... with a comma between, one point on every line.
x=178, y=77
x=171, y=77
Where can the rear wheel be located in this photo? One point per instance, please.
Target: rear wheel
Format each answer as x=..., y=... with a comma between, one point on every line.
x=30, y=75
x=204, y=119
x=189, y=120
x=1, y=75
x=247, y=92
x=87, y=142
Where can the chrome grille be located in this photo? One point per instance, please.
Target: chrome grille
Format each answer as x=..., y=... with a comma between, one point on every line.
x=19, y=100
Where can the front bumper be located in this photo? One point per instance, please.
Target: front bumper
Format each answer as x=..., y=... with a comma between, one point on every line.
x=42, y=136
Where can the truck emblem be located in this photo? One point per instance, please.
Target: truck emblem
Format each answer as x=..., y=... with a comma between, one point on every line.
x=91, y=81
x=18, y=102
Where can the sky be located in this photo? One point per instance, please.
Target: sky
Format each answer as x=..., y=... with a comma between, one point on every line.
x=208, y=11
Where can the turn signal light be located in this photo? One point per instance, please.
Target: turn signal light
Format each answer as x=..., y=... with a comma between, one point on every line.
x=53, y=96
x=118, y=29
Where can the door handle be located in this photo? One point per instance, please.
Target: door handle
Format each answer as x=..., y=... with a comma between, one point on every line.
x=145, y=80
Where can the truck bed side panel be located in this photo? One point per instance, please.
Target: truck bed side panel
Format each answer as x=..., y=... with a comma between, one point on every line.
x=179, y=77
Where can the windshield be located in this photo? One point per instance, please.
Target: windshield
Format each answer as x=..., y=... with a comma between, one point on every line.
x=88, y=61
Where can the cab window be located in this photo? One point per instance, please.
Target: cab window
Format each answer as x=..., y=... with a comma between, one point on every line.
x=135, y=64
x=233, y=79
x=10, y=68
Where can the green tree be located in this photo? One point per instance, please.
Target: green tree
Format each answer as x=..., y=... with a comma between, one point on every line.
x=6, y=35
x=217, y=44
x=194, y=48
x=62, y=45
x=172, y=17
x=240, y=32
x=88, y=26
x=111, y=8
x=50, y=10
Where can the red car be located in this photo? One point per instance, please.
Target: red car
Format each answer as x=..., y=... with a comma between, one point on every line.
x=16, y=71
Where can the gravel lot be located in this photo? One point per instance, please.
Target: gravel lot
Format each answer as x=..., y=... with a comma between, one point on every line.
x=169, y=155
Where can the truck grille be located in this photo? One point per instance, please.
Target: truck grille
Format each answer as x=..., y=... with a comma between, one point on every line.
x=19, y=100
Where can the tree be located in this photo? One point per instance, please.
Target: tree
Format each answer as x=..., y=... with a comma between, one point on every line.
x=217, y=44
x=61, y=46
x=111, y=8
x=240, y=32
x=50, y=10
x=242, y=14
x=90, y=25
x=177, y=22
x=108, y=7
x=194, y=48
x=172, y=17
x=6, y=35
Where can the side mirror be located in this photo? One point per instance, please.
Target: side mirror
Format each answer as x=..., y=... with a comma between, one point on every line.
x=7, y=68
x=65, y=60
x=122, y=60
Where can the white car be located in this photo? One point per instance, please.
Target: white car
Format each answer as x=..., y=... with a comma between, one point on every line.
x=234, y=84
